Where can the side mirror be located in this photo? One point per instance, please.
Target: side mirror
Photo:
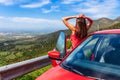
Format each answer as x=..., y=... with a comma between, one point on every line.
x=60, y=50
x=54, y=55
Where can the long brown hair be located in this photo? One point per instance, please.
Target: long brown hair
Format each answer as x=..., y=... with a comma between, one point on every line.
x=81, y=28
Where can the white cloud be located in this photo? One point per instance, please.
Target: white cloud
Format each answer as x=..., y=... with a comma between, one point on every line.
x=1, y=17
x=36, y=4
x=96, y=8
x=53, y=8
x=12, y=2
x=28, y=23
x=32, y=20
x=6, y=2
x=70, y=1
x=27, y=3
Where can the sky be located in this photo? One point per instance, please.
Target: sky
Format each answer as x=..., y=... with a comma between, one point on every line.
x=45, y=16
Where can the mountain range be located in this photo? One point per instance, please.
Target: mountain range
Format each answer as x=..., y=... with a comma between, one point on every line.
x=104, y=23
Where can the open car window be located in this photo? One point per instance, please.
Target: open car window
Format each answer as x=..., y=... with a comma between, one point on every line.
x=84, y=50
x=109, y=51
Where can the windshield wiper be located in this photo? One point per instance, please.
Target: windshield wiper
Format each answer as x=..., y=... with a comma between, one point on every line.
x=72, y=69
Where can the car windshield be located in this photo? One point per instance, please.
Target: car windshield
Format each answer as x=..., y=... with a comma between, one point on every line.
x=103, y=48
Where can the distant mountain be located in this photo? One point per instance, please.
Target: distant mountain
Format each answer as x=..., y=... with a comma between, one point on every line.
x=53, y=35
x=115, y=26
x=118, y=18
x=104, y=23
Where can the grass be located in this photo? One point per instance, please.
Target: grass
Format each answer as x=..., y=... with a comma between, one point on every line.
x=23, y=46
x=3, y=53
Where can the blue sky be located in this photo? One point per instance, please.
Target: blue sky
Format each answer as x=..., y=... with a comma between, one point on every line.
x=45, y=15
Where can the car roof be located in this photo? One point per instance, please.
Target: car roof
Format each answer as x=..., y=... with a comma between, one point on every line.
x=110, y=31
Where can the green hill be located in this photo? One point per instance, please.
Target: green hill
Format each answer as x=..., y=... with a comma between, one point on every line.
x=115, y=26
x=12, y=51
x=104, y=23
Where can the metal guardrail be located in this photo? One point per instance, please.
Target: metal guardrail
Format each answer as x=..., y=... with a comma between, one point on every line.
x=12, y=71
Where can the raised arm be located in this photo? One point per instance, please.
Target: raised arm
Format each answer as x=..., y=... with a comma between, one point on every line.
x=65, y=21
x=90, y=21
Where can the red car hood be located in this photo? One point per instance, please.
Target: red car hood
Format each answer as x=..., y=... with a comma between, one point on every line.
x=58, y=73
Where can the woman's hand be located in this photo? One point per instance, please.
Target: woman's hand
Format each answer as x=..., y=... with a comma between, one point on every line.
x=81, y=16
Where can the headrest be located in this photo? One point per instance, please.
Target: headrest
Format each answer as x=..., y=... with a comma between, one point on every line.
x=115, y=42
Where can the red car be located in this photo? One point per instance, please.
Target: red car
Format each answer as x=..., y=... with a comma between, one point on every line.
x=96, y=58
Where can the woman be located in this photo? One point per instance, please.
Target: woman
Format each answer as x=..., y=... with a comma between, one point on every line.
x=79, y=31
